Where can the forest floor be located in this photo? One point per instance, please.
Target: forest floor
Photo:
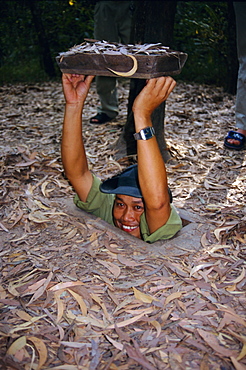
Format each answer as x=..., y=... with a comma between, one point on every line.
x=76, y=294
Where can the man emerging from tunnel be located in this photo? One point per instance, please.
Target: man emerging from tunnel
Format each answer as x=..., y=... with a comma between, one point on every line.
x=137, y=200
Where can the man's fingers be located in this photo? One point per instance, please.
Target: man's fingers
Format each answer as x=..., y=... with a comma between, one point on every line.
x=162, y=84
x=89, y=79
x=171, y=87
x=167, y=87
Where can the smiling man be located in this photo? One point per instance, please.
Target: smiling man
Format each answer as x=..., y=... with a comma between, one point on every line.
x=127, y=211
x=137, y=200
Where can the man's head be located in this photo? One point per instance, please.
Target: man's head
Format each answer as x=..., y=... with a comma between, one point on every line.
x=128, y=205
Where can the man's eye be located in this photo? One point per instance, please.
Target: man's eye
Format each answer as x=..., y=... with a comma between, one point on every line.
x=138, y=208
x=120, y=204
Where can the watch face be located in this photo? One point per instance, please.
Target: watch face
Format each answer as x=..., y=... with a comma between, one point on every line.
x=145, y=134
x=148, y=133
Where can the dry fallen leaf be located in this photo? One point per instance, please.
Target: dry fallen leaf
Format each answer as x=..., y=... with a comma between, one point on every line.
x=237, y=365
x=146, y=298
x=178, y=292
x=18, y=344
x=173, y=296
x=42, y=350
x=114, y=269
x=212, y=341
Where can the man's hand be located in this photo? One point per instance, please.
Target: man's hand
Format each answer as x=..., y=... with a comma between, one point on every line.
x=76, y=87
x=152, y=95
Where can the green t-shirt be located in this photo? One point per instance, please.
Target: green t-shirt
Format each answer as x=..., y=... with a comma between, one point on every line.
x=101, y=205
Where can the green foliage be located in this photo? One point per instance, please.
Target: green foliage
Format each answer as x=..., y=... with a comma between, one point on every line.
x=65, y=24
x=28, y=71
x=201, y=30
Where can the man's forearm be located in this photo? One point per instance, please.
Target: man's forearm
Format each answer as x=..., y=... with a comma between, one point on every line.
x=152, y=171
x=72, y=149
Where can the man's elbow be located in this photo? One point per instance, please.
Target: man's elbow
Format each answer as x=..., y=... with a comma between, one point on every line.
x=159, y=205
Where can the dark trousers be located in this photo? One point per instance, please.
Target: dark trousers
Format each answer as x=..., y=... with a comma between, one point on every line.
x=112, y=22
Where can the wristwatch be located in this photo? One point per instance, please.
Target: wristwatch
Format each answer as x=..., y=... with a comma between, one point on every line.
x=145, y=134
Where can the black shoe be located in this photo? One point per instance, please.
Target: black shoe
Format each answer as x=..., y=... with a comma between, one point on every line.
x=100, y=118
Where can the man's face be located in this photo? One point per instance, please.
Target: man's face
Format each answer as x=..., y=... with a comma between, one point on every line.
x=126, y=213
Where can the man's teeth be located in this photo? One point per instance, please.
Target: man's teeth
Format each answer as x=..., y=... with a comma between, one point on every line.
x=129, y=227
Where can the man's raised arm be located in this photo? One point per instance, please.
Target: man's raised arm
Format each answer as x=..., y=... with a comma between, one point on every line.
x=151, y=167
x=75, y=88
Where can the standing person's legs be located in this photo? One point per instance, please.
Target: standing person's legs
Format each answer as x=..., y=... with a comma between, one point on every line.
x=236, y=139
x=124, y=18
x=109, y=17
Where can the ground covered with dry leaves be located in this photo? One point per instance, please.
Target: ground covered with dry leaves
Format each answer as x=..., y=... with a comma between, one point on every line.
x=73, y=295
